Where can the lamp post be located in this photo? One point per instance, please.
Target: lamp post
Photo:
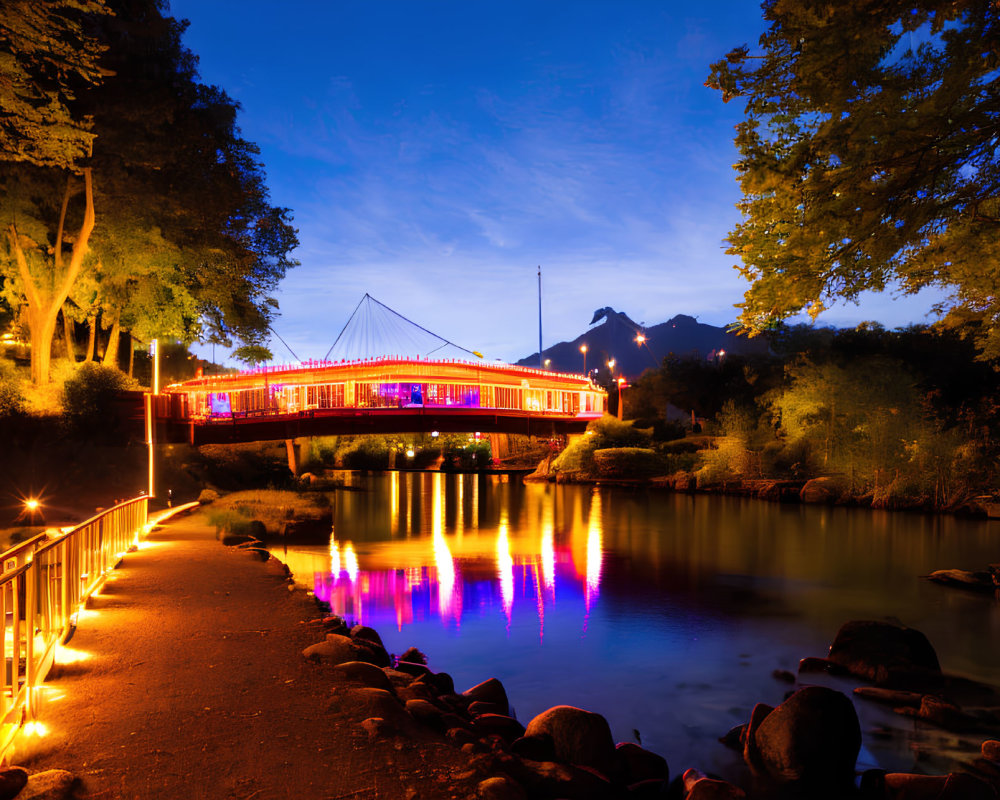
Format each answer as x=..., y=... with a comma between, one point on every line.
x=583, y=349
x=621, y=398
x=150, y=421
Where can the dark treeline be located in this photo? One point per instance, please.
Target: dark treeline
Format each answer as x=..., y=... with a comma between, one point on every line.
x=897, y=418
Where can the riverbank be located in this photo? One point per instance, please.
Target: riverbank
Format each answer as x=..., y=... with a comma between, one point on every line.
x=823, y=490
x=224, y=684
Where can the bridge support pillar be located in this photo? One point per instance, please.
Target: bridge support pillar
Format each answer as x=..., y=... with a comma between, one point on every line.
x=292, y=450
x=499, y=445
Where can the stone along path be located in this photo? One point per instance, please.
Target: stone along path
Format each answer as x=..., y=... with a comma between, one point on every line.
x=192, y=684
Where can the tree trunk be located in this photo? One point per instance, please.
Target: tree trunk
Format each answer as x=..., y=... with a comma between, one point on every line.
x=111, y=351
x=131, y=354
x=92, y=338
x=68, y=337
x=43, y=305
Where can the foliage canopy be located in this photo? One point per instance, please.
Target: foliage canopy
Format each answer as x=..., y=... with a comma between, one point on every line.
x=869, y=157
x=46, y=55
x=178, y=236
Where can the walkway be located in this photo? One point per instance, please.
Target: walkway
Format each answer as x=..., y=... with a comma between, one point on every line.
x=193, y=686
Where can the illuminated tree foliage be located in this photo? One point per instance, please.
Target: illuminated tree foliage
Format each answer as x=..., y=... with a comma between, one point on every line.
x=177, y=236
x=869, y=157
x=46, y=56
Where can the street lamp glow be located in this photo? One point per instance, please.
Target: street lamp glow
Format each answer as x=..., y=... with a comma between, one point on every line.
x=548, y=362
x=640, y=339
x=611, y=365
x=31, y=504
x=583, y=349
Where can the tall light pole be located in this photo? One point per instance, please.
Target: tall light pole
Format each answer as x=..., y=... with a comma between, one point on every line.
x=583, y=349
x=539, y=315
x=150, y=422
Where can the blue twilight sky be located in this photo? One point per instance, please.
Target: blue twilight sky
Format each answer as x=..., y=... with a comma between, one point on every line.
x=435, y=153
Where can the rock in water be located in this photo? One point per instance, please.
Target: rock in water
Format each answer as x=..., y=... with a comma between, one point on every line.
x=811, y=740
x=579, y=737
x=883, y=652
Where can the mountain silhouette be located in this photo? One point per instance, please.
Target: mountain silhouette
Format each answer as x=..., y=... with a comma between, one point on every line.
x=615, y=338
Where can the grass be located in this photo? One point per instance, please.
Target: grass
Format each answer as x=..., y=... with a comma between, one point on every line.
x=234, y=512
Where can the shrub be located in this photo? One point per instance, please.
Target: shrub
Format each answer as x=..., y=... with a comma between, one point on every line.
x=678, y=462
x=89, y=396
x=788, y=459
x=606, y=432
x=208, y=496
x=628, y=462
x=237, y=466
x=12, y=401
x=365, y=452
x=227, y=520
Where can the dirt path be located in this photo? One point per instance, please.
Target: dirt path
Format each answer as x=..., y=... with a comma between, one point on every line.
x=194, y=687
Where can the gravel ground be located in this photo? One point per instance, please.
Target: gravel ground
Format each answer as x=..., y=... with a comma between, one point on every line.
x=192, y=685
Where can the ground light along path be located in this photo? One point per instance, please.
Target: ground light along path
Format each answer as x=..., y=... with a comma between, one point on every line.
x=191, y=684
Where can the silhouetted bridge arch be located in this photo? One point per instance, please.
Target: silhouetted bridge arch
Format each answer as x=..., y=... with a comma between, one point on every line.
x=378, y=395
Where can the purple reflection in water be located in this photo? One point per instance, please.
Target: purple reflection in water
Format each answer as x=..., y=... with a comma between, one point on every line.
x=456, y=589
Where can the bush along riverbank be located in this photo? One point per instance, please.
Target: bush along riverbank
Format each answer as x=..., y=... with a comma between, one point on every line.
x=623, y=453
x=807, y=747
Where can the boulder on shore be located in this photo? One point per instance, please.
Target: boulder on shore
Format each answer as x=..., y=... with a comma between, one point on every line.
x=489, y=691
x=811, y=740
x=884, y=653
x=579, y=737
x=825, y=490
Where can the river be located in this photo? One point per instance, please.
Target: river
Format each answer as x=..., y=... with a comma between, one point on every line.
x=667, y=613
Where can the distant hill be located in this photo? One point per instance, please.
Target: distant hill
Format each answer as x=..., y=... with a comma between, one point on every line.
x=615, y=338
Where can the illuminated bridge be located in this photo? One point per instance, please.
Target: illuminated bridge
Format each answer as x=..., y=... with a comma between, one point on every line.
x=376, y=395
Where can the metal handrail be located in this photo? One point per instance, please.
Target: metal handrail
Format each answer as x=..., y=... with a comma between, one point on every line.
x=45, y=583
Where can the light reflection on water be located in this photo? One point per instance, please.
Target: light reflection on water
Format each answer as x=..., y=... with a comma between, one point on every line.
x=666, y=613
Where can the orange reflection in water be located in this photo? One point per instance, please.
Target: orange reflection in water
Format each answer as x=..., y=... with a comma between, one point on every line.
x=505, y=568
x=449, y=604
x=595, y=555
x=450, y=564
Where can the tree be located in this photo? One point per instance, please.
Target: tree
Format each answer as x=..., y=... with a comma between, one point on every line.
x=869, y=157
x=192, y=247
x=186, y=243
x=858, y=418
x=47, y=57
x=39, y=277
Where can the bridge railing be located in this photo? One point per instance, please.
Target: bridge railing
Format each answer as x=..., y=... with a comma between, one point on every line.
x=44, y=584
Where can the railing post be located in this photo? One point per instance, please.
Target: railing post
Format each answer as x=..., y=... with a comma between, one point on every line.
x=30, y=576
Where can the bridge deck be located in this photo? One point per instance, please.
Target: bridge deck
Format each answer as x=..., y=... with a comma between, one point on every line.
x=348, y=421
x=195, y=687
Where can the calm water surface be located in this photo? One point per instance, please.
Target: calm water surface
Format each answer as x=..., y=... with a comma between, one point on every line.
x=666, y=613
